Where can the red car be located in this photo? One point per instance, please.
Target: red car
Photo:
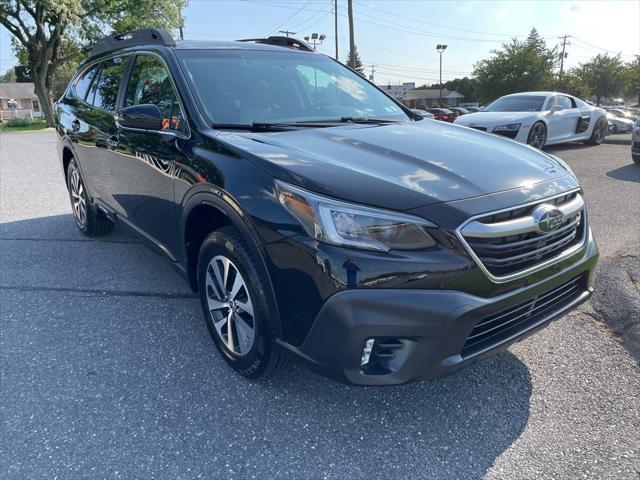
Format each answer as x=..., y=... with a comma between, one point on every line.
x=444, y=114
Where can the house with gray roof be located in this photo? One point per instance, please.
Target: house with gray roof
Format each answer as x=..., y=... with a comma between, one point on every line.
x=18, y=100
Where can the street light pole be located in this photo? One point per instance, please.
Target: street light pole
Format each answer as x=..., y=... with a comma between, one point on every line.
x=315, y=39
x=441, y=48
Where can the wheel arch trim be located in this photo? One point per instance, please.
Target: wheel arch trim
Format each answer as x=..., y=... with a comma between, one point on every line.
x=219, y=199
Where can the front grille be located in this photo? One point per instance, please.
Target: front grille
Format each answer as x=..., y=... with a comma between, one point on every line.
x=509, y=242
x=503, y=325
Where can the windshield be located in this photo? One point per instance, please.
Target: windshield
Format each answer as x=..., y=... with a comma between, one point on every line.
x=244, y=87
x=520, y=103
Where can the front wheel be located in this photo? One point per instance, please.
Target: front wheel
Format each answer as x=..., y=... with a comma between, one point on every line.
x=537, y=135
x=599, y=132
x=235, y=304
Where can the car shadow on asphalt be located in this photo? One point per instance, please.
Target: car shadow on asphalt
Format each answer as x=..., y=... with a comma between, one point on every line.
x=628, y=173
x=455, y=427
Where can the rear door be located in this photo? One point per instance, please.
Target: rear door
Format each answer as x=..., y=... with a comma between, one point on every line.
x=146, y=163
x=102, y=99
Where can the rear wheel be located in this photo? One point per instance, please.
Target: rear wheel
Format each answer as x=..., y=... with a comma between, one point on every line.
x=89, y=219
x=537, y=135
x=235, y=305
x=599, y=132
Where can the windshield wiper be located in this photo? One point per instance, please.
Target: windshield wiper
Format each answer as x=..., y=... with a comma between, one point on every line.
x=253, y=127
x=333, y=121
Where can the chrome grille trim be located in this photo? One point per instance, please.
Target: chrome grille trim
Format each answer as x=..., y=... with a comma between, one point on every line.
x=518, y=225
x=571, y=210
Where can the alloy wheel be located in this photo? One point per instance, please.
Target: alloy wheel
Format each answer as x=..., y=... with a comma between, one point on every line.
x=601, y=131
x=537, y=136
x=230, y=305
x=78, y=201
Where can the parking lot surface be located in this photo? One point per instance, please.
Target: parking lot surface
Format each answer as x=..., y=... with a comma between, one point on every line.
x=108, y=370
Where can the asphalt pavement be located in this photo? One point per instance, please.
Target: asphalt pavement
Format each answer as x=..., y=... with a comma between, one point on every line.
x=107, y=369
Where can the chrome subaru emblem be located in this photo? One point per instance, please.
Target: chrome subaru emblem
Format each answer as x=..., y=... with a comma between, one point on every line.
x=547, y=218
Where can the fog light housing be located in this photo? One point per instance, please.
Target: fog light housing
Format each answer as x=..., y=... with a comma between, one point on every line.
x=366, y=352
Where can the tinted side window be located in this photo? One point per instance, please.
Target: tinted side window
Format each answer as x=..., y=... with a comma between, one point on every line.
x=564, y=101
x=150, y=84
x=82, y=85
x=107, y=86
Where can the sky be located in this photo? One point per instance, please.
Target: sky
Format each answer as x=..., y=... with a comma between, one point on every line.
x=399, y=37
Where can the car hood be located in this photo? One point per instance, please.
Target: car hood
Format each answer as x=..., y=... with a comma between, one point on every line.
x=397, y=166
x=482, y=119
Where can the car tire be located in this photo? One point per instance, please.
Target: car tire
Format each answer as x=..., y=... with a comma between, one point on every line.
x=89, y=219
x=239, y=305
x=636, y=159
x=599, y=132
x=537, y=135
x=612, y=130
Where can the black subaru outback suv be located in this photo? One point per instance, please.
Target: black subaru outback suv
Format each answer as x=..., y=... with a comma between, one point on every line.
x=316, y=216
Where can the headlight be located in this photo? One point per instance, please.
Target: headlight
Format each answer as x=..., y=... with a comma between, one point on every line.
x=341, y=223
x=512, y=127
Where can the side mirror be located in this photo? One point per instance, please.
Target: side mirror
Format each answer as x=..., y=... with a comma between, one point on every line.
x=557, y=108
x=140, y=117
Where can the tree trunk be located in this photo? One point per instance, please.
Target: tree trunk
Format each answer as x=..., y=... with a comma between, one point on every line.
x=46, y=107
x=352, y=43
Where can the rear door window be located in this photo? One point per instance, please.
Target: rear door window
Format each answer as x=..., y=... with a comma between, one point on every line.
x=82, y=84
x=150, y=84
x=108, y=84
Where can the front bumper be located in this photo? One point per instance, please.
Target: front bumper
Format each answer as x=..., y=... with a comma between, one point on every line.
x=424, y=334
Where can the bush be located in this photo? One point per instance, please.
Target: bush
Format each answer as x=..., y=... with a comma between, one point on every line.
x=17, y=122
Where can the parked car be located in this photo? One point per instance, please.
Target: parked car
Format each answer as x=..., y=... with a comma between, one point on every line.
x=422, y=113
x=473, y=109
x=622, y=112
x=316, y=217
x=459, y=110
x=443, y=114
x=618, y=124
x=540, y=118
x=635, y=143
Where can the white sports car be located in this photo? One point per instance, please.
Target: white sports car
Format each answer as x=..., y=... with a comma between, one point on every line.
x=540, y=118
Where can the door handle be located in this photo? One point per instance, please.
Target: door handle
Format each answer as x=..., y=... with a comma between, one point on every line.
x=75, y=125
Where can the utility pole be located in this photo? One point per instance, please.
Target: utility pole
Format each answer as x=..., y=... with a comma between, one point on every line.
x=352, y=42
x=335, y=11
x=441, y=48
x=564, y=55
x=373, y=73
x=287, y=32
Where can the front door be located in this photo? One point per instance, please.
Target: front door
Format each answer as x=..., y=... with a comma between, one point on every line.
x=146, y=163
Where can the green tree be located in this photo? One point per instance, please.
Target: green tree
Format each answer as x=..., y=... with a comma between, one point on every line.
x=466, y=86
x=48, y=33
x=632, y=88
x=604, y=75
x=359, y=67
x=572, y=84
x=518, y=66
x=8, y=77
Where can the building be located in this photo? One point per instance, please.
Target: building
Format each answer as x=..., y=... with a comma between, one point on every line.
x=398, y=92
x=18, y=100
x=431, y=98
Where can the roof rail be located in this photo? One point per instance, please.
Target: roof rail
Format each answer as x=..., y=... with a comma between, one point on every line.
x=279, y=41
x=143, y=36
